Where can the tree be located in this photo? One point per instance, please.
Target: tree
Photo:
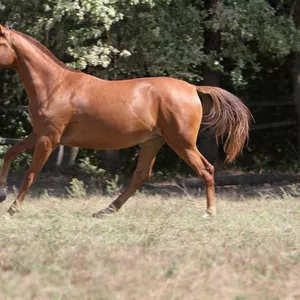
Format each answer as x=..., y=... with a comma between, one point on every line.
x=75, y=31
x=228, y=43
x=295, y=70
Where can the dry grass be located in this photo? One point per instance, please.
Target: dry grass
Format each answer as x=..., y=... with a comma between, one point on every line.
x=154, y=248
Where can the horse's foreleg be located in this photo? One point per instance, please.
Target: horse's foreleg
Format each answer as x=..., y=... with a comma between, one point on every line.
x=141, y=174
x=43, y=148
x=27, y=145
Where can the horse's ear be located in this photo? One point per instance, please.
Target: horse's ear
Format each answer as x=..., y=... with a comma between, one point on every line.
x=1, y=29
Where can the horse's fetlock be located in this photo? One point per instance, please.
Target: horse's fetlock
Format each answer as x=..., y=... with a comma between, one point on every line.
x=211, y=211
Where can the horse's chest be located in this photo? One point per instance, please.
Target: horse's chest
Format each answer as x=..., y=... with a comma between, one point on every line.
x=42, y=120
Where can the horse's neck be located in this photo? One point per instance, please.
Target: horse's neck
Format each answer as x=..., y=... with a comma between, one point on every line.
x=39, y=74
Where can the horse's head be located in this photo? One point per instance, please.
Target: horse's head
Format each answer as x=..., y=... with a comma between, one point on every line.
x=7, y=53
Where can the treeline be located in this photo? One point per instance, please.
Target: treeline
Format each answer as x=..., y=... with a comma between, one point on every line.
x=249, y=47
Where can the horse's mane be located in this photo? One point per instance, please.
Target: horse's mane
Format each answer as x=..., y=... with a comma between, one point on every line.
x=44, y=50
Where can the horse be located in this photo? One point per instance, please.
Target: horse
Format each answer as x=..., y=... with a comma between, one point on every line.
x=71, y=108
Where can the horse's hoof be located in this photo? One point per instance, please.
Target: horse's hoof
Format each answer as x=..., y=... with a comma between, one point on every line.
x=207, y=216
x=2, y=195
x=98, y=214
x=104, y=213
x=12, y=210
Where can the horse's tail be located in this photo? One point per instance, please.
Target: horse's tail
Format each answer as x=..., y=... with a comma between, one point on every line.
x=228, y=116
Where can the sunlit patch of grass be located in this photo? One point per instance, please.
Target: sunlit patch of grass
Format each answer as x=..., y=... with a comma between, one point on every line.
x=154, y=248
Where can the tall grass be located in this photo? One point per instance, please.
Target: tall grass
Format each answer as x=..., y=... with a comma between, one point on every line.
x=154, y=248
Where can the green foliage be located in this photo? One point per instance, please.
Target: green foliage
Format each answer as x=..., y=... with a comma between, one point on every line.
x=44, y=195
x=87, y=167
x=119, y=39
x=77, y=189
x=99, y=180
x=77, y=28
x=20, y=163
x=112, y=185
x=171, y=269
x=164, y=37
x=250, y=29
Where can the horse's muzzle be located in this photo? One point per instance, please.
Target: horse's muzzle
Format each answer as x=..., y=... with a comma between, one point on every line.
x=2, y=195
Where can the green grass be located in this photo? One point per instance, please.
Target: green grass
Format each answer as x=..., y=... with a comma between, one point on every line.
x=154, y=248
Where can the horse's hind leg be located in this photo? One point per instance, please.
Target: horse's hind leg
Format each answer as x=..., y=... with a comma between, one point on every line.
x=202, y=168
x=27, y=145
x=141, y=174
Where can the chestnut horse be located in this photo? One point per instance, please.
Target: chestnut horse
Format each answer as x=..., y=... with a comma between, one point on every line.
x=68, y=107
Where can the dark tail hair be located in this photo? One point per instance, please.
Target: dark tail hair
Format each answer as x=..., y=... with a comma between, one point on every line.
x=229, y=118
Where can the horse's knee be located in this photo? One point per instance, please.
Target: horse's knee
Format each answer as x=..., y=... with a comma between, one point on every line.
x=207, y=175
x=45, y=144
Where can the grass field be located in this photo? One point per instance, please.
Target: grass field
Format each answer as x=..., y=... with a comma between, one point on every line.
x=154, y=248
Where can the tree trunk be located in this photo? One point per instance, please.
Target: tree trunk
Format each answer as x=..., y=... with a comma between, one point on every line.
x=295, y=70
x=296, y=91
x=212, y=43
x=62, y=158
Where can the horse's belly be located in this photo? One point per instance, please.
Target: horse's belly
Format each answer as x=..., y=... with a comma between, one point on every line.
x=104, y=136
